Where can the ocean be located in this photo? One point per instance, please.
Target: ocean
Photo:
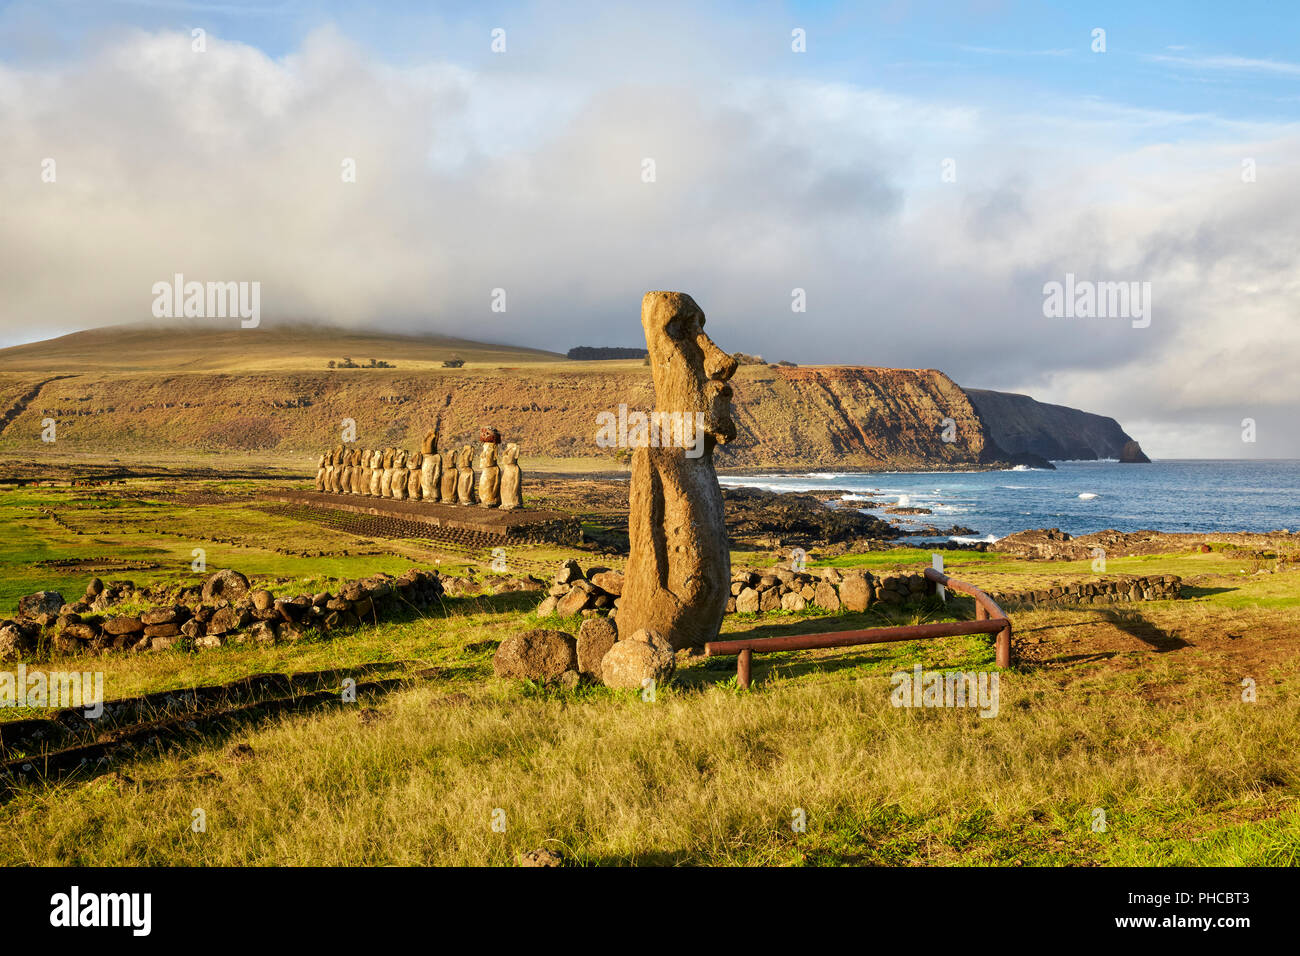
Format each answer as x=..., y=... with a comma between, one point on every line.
x=1080, y=497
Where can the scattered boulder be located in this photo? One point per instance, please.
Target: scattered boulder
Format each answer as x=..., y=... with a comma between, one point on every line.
x=539, y=858
x=538, y=654
x=645, y=654
x=16, y=640
x=611, y=582
x=596, y=636
x=43, y=606
x=578, y=598
x=568, y=573
x=225, y=585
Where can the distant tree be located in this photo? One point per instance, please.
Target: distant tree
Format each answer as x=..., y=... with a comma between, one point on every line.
x=331, y=363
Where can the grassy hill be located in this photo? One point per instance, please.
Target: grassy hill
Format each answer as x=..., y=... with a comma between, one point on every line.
x=198, y=346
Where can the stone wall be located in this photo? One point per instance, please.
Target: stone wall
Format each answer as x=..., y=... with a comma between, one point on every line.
x=225, y=608
x=597, y=590
x=1154, y=587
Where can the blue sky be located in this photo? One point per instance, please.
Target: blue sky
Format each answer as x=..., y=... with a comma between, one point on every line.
x=775, y=170
x=1238, y=60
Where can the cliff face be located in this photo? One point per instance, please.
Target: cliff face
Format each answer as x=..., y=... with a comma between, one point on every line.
x=830, y=417
x=135, y=392
x=809, y=419
x=1020, y=425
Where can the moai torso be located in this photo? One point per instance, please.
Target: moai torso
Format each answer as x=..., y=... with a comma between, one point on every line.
x=430, y=467
x=450, y=480
x=511, y=478
x=398, y=482
x=336, y=478
x=386, y=476
x=413, y=462
x=465, y=476
x=354, y=471
x=489, y=478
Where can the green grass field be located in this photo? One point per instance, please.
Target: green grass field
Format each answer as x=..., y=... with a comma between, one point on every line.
x=1133, y=711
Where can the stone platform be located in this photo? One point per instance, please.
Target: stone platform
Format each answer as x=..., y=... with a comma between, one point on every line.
x=466, y=525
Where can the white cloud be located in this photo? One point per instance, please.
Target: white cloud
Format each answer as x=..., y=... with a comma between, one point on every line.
x=527, y=176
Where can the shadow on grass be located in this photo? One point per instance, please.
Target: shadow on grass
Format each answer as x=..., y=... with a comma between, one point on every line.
x=507, y=601
x=1131, y=622
x=1196, y=592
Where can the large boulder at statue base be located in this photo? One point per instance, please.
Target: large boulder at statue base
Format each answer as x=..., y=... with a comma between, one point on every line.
x=595, y=638
x=538, y=655
x=646, y=654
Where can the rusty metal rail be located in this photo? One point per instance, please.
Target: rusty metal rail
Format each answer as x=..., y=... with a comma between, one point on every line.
x=989, y=619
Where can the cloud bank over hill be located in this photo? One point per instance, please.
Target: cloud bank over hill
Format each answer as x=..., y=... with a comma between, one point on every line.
x=525, y=172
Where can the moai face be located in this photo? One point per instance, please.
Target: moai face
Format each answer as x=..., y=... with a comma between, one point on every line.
x=338, y=454
x=388, y=458
x=466, y=458
x=489, y=459
x=508, y=454
x=399, y=460
x=690, y=371
x=430, y=444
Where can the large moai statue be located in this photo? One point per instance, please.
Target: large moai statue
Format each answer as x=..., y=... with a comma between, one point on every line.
x=511, y=477
x=430, y=467
x=361, y=474
x=489, y=475
x=354, y=471
x=465, y=475
x=386, y=476
x=336, y=477
x=320, y=472
x=679, y=569
x=450, y=479
x=376, y=465
x=398, y=483
x=414, y=462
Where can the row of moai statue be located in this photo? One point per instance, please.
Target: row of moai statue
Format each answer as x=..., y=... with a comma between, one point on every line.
x=426, y=475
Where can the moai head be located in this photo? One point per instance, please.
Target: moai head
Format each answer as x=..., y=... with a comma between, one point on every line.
x=399, y=459
x=388, y=458
x=338, y=454
x=509, y=454
x=465, y=459
x=489, y=457
x=449, y=458
x=690, y=371
x=430, y=444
